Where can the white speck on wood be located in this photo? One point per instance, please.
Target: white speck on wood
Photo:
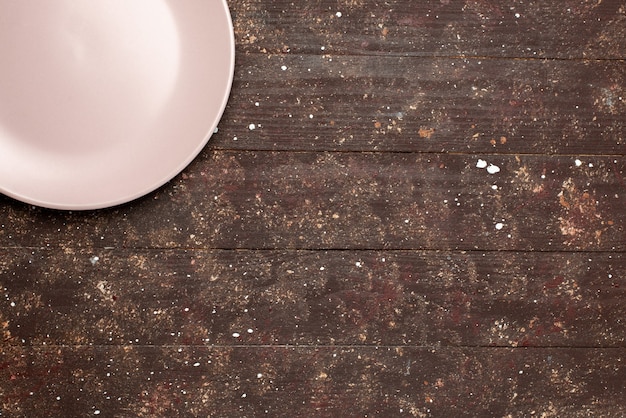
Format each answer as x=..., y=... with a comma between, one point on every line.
x=493, y=169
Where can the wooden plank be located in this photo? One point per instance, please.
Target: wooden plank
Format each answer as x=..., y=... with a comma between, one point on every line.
x=117, y=297
x=426, y=105
x=553, y=29
x=273, y=200
x=311, y=381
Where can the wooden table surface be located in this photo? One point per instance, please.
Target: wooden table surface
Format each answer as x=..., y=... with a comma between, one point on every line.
x=410, y=209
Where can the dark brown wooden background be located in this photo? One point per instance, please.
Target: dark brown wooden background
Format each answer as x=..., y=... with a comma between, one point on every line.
x=347, y=257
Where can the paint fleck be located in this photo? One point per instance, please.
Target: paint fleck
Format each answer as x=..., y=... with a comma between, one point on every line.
x=481, y=164
x=236, y=335
x=499, y=226
x=252, y=126
x=426, y=132
x=284, y=68
x=493, y=169
x=93, y=260
x=338, y=14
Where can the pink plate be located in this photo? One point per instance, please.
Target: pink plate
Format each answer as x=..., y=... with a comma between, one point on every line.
x=102, y=102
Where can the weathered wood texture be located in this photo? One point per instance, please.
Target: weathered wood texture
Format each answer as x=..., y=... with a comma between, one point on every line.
x=400, y=298
x=411, y=208
x=275, y=200
x=311, y=382
x=570, y=29
x=342, y=103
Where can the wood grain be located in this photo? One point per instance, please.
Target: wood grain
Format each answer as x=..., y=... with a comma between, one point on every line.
x=568, y=29
x=315, y=382
x=278, y=200
x=256, y=298
x=435, y=105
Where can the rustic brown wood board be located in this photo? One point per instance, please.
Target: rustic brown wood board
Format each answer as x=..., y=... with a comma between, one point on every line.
x=410, y=209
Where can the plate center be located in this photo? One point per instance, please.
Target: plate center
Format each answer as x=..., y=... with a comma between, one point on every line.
x=79, y=75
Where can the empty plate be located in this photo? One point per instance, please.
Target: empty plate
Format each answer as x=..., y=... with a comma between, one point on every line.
x=102, y=102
